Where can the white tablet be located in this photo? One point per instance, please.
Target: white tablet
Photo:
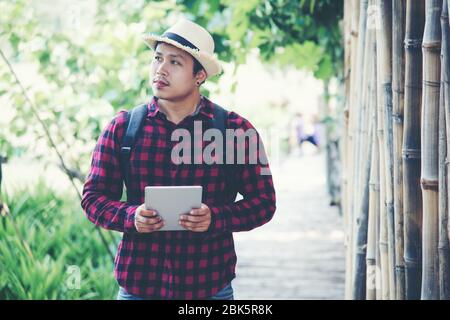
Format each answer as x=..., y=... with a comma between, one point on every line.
x=171, y=202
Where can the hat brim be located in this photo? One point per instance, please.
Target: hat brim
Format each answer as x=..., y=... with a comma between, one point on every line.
x=209, y=62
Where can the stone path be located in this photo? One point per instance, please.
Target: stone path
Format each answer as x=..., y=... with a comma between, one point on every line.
x=300, y=253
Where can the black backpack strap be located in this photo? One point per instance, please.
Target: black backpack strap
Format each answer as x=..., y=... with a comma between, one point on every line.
x=220, y=122
x=135, y=119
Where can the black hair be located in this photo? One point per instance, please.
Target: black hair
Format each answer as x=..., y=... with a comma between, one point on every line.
x=197, y=66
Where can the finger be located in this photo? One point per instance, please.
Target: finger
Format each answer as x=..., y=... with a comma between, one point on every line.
x=198, y=212
x=188, y=224
x=148, y=213
x=150, y=228
x=191, y=218
x=158, y=226
x=148, y=221
x=192, y=225
x=144, y=229
x=203, y=210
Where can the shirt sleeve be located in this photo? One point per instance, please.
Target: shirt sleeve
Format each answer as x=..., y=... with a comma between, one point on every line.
x=103, y=188
x=254, y=182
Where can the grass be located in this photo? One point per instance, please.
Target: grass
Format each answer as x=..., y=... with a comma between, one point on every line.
x=66, y=258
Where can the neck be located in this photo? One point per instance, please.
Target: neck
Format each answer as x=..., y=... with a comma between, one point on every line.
x=177, y=110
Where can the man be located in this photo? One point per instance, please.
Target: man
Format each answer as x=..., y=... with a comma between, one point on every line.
x=198, y=263
x=301, y=133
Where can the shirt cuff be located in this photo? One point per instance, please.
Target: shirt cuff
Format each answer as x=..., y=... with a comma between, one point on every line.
x=217, y=222
x=129, y=226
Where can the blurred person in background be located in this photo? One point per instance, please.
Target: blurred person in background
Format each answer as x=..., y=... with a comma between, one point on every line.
x=307, y=132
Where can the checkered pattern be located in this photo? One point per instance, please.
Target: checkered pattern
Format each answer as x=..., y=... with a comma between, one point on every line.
x=174, y=264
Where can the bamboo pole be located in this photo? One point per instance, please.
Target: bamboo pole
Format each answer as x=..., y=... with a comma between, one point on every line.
x=348, y=133
x=383, y=237
x=371, y=257
x=349, y=111
x=359, y=286
x=348, y=63
x=384, y=74
x=431, y=47
x=378, y=280
x=446, y=64
x=412, y=147
x=447, y=100
x=444, y=245
x=398, y=84
x=347, y=46
x=362, y=193
x=353, y=138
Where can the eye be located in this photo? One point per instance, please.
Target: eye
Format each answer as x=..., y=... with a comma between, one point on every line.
x=157, y=58
x=175, y=62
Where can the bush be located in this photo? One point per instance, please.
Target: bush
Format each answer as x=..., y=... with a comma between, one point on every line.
x=49, y=250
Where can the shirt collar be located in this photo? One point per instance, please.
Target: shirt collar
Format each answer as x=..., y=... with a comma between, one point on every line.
x=204, y=107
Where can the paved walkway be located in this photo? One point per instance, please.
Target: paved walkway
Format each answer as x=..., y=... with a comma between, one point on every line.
x=300, y=253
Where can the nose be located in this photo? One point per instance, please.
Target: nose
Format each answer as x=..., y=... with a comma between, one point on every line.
x=161, y=69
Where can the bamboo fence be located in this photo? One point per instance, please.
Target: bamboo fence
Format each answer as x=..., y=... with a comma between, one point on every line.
x=396, y=137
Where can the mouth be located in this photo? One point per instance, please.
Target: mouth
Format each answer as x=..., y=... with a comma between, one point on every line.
x=160, y=83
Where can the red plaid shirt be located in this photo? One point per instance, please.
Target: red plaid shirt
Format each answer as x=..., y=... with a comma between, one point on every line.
x=174, y=264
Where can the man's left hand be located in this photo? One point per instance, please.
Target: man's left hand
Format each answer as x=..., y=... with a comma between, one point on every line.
x=198, y=220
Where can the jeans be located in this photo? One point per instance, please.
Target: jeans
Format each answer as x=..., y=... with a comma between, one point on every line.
x=225, y=294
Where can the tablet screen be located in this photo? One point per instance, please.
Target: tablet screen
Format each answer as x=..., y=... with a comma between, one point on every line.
x=172, y=201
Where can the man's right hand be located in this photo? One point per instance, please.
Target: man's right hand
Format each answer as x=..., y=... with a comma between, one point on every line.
x=147, y=221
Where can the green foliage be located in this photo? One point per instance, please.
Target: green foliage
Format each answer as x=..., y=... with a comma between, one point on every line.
x=60, y=238
x=298, y=28
x=78, y=80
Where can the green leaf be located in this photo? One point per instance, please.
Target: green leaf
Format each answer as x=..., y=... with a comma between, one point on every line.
x=325, y=70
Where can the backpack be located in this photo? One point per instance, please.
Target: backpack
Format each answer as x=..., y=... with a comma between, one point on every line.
x=135, y=120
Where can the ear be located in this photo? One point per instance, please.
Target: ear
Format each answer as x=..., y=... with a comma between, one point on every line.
x=201, y=76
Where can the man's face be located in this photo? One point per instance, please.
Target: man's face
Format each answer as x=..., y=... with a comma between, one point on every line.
x=171, y=74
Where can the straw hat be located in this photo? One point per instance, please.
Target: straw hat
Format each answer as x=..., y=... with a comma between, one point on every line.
x=193, y=39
